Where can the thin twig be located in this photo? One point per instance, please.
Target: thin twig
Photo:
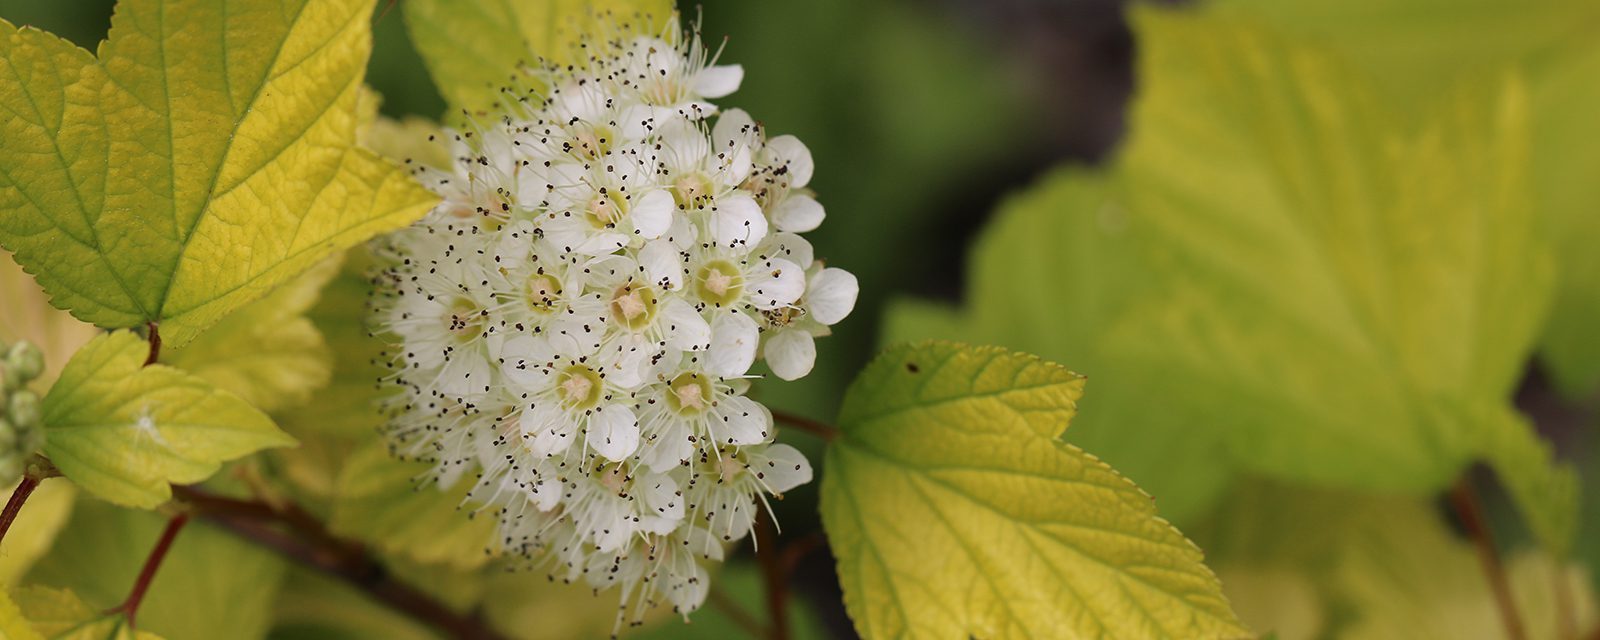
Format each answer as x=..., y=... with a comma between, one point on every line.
x=130, y=606
x=14, y=505
x=819, y=429
x=776, y=579
x=155, y=344
x=720, y=600
x=1470, y=510
x=308, y=542
x=798, y=550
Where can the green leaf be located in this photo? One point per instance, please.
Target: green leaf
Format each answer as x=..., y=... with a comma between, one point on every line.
x=950, y=452
x=1411, y=578
x=1414, y=51
x=59, y=614
x=473, y=48
x=204, y=157
x=211, y=584
x=1051, y=275
x=12, y=625
x=314, y=606
x=267, y=352
x=1337, y=280
x=32, y=535
x=123, y=432
x=378, y=500
x=1545, y=491
x=1375, y=566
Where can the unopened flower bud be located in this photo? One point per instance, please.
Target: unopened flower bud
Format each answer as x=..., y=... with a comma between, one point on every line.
x=24, y=409
x=25, y=361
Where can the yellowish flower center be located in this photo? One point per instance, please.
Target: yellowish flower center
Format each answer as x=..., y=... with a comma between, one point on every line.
x=719, y=282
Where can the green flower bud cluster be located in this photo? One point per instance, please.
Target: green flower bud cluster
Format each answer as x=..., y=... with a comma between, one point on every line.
x=21, y=433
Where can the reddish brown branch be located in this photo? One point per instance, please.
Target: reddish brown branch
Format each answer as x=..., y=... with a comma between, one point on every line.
x=130, y=607
x=155, y=344
x=817, y=428
x=295, y=534
x=14, y=505
x=1470, y=511
x=774, y=575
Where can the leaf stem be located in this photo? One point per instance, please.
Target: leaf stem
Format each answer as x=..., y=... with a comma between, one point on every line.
x=130, y=607
x=814, y=427
x=154, y=332
x=773, y=573
x=1468, y=508
x=309, y=543
x=14, y=505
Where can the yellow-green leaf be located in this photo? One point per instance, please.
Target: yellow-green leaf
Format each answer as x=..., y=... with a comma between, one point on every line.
x=123, y=431
x=378, y=500
x=955, y=511
x=204, y=157
x=1052, y=275
x=32, y=535
x=1340, y=280
x=212, y=584
x=267, y=352
x=12, y=625
x=58, y=614
x=1544, y=490
x=1415, y=48
x=474, y=48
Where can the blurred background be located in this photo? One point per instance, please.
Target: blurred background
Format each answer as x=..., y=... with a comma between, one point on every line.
x=922, y=116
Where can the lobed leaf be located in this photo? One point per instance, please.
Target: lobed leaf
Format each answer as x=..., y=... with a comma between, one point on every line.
x=267, y=352
x=123, y=431
x=955, y=511
x=178, y=175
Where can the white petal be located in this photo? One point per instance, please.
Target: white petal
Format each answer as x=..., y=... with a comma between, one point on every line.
x=684, y=326
x=734, y=338
x=602, y=243
x=671, y=448
x=523, y=359
x=626, y=367
x=550, y=427
x=777, y=283
x=614, y=432
x=738, y=420
x=640, y=120
x=831, y=295
x=738, y=221
x=661, y=496
x=781, y=467
x=718, y=81
x=734, y=128
x=662, y=263
x=791, y=352
x=734, y=513
x=683, y=146
x=652, y=214
x=791, y=151
x=798, y=213
x=687, y=591
x=790, y=247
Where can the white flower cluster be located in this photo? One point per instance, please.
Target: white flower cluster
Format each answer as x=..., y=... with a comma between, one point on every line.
x=577, y=322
